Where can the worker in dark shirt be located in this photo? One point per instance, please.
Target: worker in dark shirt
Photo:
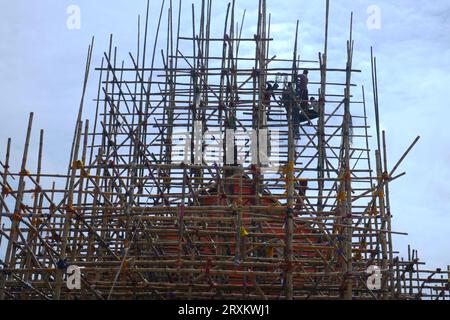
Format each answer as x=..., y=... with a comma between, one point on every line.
x=289, y=101
x=268, y=95
x=302, y=89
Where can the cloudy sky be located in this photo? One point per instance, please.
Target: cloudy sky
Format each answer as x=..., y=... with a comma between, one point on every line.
x=42, y=63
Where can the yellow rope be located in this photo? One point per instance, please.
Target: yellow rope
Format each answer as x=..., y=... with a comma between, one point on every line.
x=291, y=166
x=379, y=194
x=85, y=174
x=374, y=211
x=244, y=232
x=346, y=176
x=342, y=196
x=24, y=173
x=363, y=245
x=78, y=165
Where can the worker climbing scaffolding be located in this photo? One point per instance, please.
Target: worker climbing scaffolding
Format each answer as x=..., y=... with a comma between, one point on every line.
x=290, y=101
x=309, y=107
x=304, y=108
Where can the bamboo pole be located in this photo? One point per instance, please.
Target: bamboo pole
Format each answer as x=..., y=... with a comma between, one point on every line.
x=68, y=218
x=11, y=248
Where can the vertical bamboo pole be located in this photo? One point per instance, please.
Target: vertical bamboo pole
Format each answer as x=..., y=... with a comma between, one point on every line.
x=348, y=212
x=31, y=236
x=410, y=260
x=321, y=138
x=368, y=221
x=68, y=218
x=81, y=187
x=10, y=259
x=289, y=252
x=5, y=180
x=402, y=281
x=383, y=226
x=398, y=279
x=448, y=282
x=388, y=216
x=375, y=96
x=95, y=207
x=83, y=95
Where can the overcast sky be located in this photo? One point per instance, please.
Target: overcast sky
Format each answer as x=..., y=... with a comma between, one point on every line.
x=42, y=63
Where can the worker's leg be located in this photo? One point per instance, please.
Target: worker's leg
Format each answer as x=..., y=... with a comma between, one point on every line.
x=268, y=109
x=305, y=99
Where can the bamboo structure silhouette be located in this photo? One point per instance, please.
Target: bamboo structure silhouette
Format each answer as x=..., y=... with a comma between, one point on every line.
x=146, y=219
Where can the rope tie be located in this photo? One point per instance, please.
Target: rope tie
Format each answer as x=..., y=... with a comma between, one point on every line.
x=291, y=166
x=17, y=216
x=347, y=176
x=244, y=232
x=85, y=174
x=71, y=209
x=36, y=222
x=374, y=211
x=24, y=173
x=342, y=196
x=78, y=165
x=6, y=191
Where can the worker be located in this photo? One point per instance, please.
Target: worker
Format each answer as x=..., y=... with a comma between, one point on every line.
x=197, y=97
x=314, y=104
x=268, y=95
x=302, y=89
x=289, y=101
